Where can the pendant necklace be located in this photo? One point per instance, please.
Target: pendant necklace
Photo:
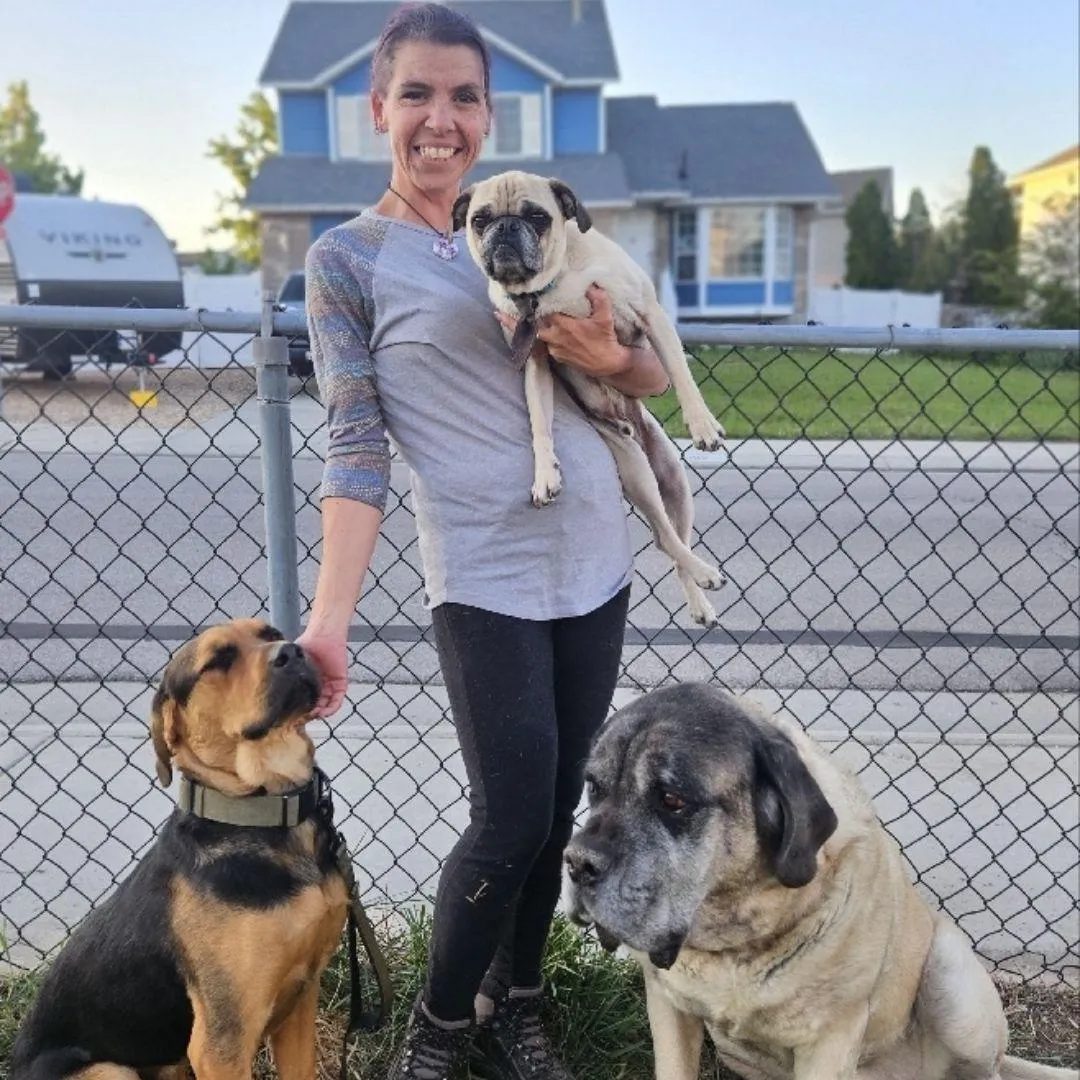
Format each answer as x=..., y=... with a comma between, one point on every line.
x=445, y=246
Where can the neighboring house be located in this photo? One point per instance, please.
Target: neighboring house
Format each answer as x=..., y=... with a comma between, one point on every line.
x=717, y=200
x=1039, y=189
x=828, y=255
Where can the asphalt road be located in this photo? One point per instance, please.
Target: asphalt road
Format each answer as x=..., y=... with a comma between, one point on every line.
x=916, y=612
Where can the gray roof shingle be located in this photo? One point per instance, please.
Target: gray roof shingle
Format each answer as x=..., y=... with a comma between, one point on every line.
x=717, y=151
x=293, y=182
x=315, y=35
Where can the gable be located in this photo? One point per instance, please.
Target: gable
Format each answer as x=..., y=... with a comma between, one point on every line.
x=316, y=38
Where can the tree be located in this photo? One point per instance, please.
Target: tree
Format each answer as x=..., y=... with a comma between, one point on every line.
x=1051, y=259
x=916, y=253
x=255, y=140
x=22, y=147
x=871, y=246
x=991, y=237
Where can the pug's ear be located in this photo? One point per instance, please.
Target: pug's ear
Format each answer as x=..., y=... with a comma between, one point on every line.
x=163, y=733
x=461, y=208
x=570, y=205
x=792, y=815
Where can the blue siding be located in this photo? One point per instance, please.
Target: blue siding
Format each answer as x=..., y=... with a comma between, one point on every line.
x=304, y=127
x=355, y=81
x=508, y=76
x=734, y=293
x=687, y=294
x=321, y=222
x=576, y=121
x=783, y=292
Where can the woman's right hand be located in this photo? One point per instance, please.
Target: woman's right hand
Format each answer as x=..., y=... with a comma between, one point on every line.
x=330, y=655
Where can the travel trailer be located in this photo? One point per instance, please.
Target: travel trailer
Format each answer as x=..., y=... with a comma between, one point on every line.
x=65, y=250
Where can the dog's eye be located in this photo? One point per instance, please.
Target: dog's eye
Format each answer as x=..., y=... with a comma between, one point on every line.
x=672, y=802
x=538, y=219
x=223, y=659
x=592, y=788
x=481, y=220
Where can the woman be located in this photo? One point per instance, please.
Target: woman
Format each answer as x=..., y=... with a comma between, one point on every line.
x=528, y=606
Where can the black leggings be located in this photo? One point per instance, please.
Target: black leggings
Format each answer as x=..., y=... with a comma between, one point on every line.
x=527, y=698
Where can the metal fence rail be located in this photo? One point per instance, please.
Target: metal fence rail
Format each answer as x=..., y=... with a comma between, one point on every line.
x=896, y=511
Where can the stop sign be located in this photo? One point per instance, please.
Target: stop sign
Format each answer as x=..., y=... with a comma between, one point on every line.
x=7, y=193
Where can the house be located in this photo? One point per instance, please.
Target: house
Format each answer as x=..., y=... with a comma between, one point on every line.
x=715, y=201
x=1038, y=190
x=828, y=256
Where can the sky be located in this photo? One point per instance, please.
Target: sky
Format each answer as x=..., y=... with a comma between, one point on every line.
x=132, y=91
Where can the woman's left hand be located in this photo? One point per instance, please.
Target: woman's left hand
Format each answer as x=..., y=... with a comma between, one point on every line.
x=589, y=343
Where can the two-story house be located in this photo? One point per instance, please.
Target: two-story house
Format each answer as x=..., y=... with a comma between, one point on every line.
x=715, y=201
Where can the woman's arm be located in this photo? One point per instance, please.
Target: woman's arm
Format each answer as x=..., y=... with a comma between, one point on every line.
x=357, y=469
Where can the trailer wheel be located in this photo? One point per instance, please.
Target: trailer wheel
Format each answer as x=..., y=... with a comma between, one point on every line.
x=53, y=366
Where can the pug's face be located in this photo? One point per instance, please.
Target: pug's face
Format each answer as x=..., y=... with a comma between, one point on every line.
x=516, y=227
x=690, y=797
x=231, y=708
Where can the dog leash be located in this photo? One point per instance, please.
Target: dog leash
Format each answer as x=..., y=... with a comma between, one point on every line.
x=358, y=924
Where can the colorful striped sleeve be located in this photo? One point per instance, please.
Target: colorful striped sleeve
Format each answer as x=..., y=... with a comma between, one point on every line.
x=340, y=308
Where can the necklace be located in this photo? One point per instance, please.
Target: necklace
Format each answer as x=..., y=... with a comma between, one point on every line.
x=445, y=245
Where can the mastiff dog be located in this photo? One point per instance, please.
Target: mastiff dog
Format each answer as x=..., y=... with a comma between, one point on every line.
x=218, y=937
x=536, y=243
x=747, y=872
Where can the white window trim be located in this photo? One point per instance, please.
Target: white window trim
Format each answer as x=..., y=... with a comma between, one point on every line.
x=490, y=151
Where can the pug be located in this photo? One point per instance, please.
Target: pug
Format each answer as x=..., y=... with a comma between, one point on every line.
x=535, y=241
x=745, y=869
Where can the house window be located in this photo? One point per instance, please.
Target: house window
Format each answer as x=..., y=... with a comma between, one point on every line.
x=516, y=126
x=685, y=245
x=785, y=244
x=737, y=242
x=356, y=136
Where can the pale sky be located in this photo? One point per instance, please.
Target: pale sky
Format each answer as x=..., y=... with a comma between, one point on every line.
x=133, y=90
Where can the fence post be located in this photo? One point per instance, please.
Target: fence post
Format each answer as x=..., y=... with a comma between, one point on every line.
x=279, y=504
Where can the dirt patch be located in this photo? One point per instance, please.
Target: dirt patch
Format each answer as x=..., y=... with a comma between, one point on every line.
x=185, y=396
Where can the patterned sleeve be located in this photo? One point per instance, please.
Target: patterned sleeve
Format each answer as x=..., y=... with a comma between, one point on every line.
x=339, y=309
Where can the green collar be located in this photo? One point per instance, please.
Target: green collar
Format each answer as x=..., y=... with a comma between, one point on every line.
x=256, y=811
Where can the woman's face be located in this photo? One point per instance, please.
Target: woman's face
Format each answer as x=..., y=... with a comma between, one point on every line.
x=436, y=115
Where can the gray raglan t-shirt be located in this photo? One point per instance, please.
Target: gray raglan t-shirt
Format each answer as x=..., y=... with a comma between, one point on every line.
x=406, y=343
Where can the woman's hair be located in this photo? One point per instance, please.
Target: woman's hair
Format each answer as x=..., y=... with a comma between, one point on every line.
x=433, y=23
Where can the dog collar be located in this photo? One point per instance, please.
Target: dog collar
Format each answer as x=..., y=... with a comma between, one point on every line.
x=254, y=811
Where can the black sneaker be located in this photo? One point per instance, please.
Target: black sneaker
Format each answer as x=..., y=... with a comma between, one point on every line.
x=514, y=1042
x=430, y=1052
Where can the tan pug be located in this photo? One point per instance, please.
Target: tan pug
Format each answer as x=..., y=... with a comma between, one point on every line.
x=747, y=872
x=535, y=242
x=219, y=936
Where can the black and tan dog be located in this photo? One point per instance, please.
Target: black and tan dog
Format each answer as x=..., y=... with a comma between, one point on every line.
x=218, y=938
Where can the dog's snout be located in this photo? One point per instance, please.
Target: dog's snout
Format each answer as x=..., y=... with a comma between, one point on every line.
x=288, y=655
x=585, y=866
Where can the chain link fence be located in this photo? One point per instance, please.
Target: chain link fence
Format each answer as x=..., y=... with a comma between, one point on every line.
x=896, y=511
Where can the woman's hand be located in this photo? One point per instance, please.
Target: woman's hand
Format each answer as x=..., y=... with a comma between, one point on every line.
x=589, y=344
x=330, y=656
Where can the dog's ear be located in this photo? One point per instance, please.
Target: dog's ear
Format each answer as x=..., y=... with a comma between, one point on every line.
x=163, y=732
x=570, y=205
x=792, y=815
x=461, y=208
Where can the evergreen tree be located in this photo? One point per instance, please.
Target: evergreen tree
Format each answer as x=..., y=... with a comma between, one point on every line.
x=915, y=252
x=871, y=246
x=991, y=237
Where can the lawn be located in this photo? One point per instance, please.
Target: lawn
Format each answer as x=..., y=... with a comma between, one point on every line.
x=799, y=393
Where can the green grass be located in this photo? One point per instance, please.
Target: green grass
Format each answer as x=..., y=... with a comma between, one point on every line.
x=784, y=394
x=595, y=1010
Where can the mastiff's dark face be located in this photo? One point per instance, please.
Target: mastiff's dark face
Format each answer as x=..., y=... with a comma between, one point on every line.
x=516, y=227
x=231, y=708
x=689, y=794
